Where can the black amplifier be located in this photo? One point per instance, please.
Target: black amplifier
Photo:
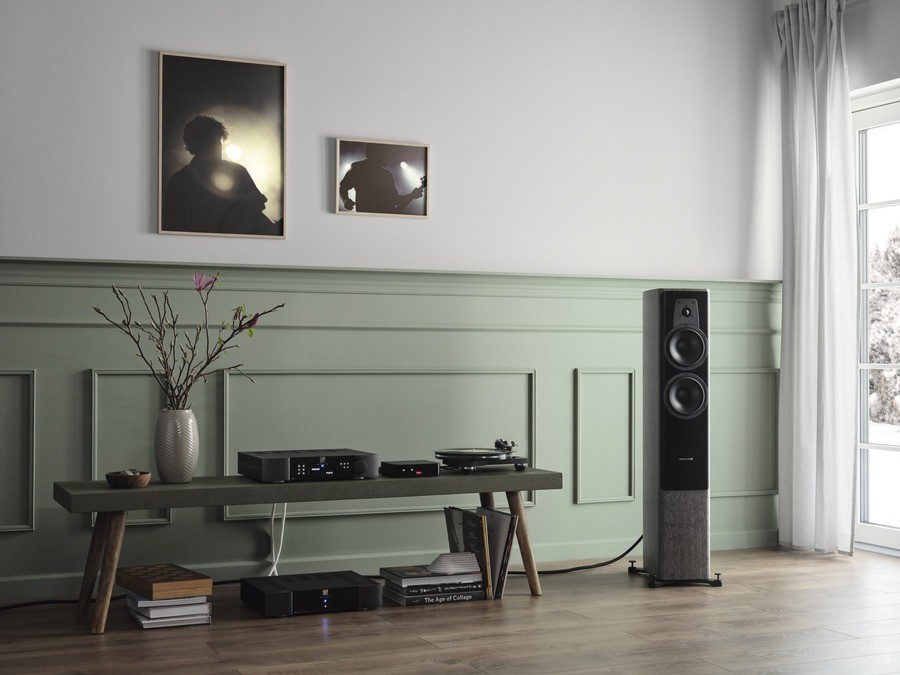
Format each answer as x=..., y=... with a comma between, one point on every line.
x=416, y=468
x=317, y=593
x=285, y=466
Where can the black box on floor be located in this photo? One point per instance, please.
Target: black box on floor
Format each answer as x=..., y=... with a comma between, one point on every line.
x=317, y=593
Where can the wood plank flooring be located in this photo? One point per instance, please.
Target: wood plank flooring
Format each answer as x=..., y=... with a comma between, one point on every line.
x=777, y=612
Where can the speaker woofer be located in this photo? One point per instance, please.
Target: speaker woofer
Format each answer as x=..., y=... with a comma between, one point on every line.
x=685, y=396
x=685, y=347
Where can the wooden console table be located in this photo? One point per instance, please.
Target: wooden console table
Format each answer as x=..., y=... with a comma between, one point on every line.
x=112, y=505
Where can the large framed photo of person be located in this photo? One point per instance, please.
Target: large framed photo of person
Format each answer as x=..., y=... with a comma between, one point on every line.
x=381, y=178
x=221, y=146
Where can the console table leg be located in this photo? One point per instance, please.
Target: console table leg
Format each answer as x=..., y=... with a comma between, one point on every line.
x=487, y=499
x=515, y=506
x=112, y=547
x=92, y=565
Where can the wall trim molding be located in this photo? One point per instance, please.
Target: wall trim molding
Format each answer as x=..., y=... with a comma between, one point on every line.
x=30, y=451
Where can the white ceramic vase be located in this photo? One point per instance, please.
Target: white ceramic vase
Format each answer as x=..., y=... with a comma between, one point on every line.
x=176, y=446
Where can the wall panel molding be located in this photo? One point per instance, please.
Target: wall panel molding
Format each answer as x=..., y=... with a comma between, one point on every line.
x=747, y=425
x=605, y=422
x=112, y=413
x=17, y=437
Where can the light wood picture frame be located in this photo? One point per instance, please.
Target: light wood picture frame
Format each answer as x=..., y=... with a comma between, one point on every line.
x=221, y=146
x=384, y=178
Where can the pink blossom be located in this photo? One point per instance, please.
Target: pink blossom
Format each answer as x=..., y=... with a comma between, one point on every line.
x=202, y=283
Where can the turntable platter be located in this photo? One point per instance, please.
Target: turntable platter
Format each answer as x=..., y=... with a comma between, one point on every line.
x=473, y=453
x=468, y=459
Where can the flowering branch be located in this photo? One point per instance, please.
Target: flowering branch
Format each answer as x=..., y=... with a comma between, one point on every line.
x=177, y=360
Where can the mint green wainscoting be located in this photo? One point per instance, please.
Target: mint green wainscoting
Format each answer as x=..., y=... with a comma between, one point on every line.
x=396, y=363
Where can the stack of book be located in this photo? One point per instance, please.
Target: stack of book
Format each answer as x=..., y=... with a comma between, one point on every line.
x=476, y=568
x=445, y=580
x=164, y=594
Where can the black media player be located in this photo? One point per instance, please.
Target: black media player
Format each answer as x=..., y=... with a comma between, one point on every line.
x=415, y=468
x=318, y=593
x=284, y=466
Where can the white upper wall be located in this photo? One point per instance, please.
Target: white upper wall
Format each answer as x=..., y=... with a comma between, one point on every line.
x=871, y=28
x=595, y=137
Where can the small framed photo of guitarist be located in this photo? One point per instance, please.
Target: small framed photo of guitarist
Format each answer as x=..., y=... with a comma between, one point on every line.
x=381, y=178
x=221, y=146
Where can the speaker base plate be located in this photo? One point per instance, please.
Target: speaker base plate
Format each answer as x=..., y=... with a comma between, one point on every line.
x=656, y=582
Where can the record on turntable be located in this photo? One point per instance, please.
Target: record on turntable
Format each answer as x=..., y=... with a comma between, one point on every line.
x=468, y=459
x=472, y=453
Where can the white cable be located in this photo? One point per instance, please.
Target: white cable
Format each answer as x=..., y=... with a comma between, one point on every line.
x=276, y=555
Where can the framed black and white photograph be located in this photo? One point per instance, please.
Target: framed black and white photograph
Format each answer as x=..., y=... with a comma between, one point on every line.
x=381, y=178
x=221, y=146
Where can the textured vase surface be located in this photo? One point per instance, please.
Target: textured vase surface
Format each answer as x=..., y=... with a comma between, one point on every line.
x=176, y=446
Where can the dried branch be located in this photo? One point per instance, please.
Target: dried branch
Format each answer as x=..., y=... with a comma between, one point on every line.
x=181, y=363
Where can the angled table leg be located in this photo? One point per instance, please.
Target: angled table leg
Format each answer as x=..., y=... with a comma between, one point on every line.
x=103, y=554
x=92, y=564
x=112, y=547
x=515, y=506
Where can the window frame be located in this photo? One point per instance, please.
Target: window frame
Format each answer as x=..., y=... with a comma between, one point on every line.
x=870, y=108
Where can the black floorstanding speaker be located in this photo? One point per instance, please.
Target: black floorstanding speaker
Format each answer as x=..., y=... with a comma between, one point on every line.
x=676, y=436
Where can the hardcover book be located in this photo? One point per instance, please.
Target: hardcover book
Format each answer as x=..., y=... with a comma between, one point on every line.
x=430, y=589
x=190, y=620
x=140, y=601
x=417, y=575
x=162, y=581
x=467, y=531
x=170, y=610
x=433, y=599
x=501, y=528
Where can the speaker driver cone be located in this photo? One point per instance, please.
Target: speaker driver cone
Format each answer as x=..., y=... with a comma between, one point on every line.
x=685, y=347
x=685, y=396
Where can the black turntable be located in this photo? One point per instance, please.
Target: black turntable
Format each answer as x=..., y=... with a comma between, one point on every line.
x=469, y=459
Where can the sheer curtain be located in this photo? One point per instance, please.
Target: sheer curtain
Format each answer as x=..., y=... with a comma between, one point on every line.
x=818, y=401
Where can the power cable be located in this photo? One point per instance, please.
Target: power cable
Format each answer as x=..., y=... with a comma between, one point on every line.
x=591, y=566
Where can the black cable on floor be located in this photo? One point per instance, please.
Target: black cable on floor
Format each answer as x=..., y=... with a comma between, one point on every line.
x=35, y=603
x=592, y=566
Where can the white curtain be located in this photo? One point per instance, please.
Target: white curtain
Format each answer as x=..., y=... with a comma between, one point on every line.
x=818, y=401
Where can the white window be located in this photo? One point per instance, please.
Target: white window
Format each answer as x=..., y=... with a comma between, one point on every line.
x=876, y=122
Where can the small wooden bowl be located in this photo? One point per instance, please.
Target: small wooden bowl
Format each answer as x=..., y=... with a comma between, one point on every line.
x=120, y=479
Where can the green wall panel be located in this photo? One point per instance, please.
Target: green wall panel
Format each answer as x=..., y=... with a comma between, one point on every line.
x=125, y=405
x=605, y=453
x=743, y=438
x=400, y=363
x=17, y=454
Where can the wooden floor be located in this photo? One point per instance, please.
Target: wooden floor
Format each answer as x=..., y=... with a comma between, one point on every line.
x=776, y=612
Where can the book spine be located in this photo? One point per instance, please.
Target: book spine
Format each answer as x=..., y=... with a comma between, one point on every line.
x=443, y=598
x=171, y=610
x=467, y=532
x=486, y=555
x=430, y=589
x=141, y=601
